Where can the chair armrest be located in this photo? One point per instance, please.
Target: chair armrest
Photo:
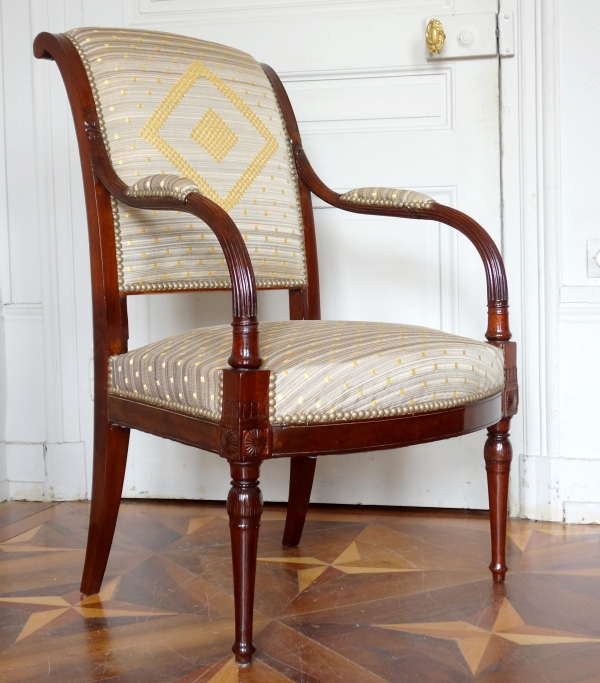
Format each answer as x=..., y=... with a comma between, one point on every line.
x=171, y=192
x=388, y=196
x=384, y=201
x=162, y=185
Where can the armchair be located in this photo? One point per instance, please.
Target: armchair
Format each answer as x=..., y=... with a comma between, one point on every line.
x=195, y=179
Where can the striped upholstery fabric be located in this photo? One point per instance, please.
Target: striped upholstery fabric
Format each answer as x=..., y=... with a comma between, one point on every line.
x=207, y=113
x=322, y=370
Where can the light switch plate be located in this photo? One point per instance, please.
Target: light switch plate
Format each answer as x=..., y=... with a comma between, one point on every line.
x=593, y=258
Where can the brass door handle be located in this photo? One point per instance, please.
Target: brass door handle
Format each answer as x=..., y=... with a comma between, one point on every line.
x=435, y=36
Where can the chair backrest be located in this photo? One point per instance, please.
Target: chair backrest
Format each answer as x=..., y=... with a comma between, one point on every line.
x=175, y=105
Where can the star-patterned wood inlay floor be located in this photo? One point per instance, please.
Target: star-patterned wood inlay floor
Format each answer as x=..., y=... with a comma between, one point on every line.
x=368, y=597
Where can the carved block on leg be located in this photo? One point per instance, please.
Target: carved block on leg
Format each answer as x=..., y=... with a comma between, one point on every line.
x=498, y=456
x=245, y=427
x=244, y=506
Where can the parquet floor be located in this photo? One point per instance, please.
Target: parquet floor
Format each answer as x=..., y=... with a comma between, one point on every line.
x=368, y=597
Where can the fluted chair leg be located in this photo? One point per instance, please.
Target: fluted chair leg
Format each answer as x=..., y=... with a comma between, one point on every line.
x=244, y=506
x=110, y=457
x=498, y=456
x=302, y=474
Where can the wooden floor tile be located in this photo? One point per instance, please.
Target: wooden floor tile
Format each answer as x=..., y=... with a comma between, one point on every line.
x=369, y=596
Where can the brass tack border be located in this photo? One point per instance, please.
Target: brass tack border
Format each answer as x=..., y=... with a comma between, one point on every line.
x=347, y=416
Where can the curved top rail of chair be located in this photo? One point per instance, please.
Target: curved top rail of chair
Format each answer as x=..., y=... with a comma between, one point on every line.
x=245, y=351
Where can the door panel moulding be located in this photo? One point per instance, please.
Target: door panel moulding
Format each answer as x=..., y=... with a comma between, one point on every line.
x=141, y=12
x=531, y=241
x=390, y=99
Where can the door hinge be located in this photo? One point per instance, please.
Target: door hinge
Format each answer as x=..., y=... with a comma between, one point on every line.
x=485, y=34
x=506, y=33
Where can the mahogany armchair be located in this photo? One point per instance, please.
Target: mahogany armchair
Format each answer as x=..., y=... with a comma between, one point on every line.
x=195, y=179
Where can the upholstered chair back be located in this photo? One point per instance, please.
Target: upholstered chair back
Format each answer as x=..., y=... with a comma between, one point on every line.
x=179, y=106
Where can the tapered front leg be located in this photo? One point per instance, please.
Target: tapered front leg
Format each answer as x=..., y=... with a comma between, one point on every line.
x=498, y=456
x=244, y=506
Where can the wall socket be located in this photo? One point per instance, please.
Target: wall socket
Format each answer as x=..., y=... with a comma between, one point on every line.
x=593, y=258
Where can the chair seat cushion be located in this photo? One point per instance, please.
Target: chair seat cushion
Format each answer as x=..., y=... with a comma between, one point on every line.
x=320, y=370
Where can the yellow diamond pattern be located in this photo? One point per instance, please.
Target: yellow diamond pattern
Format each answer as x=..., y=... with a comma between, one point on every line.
x=212, y=133
x=151, y=132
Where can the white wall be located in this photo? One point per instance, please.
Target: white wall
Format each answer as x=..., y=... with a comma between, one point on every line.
x=579, y=307
x=549, y=120
x=549, y=114
x=42, y=445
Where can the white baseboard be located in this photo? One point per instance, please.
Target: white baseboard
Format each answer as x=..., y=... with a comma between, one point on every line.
x=575, y=512
x=25, y=490
x=559, y=489
x=25, y=389
x=44, y=472
x=25, y=462
x=25, y=471
x=3, y=474
x=65, y=472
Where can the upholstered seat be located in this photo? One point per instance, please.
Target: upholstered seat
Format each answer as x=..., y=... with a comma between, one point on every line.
x=320, y=370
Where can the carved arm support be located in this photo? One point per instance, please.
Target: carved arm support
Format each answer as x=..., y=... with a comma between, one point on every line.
x=158, y=193
x=408, y=204
x=180, y=194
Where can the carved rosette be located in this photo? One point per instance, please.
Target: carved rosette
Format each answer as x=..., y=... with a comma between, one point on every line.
x=254, y=442
x=229, y=443
x=511, y=402
x=510, y=398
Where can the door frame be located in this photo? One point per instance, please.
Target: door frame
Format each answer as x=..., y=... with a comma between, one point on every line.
x=530, y=159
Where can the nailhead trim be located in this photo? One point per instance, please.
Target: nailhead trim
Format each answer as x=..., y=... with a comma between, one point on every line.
x=272, y=394
x=196, y=284
x=347, y=416
x=220, y=399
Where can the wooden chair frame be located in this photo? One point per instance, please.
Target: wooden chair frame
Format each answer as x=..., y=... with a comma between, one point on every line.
x=245, y=436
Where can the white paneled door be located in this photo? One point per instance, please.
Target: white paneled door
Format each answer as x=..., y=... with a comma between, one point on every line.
x=373, y=110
